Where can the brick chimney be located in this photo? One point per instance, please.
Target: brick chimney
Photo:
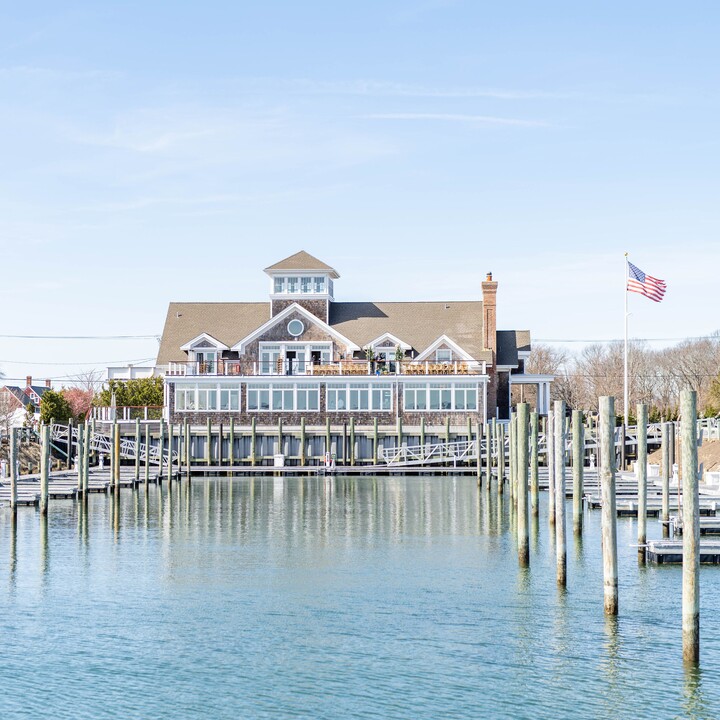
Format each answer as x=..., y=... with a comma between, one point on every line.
x=48, y=383
x=489, y=292
x=28, y=381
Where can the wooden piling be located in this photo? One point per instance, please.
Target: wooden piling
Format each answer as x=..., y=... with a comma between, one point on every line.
x=86, y=459
x=609, y=519
x=488, y=451
x=280, y=436
x=231, y=441
x=253, y=441
x=328, y=438
x=147, y=454
x=220, y=442
x=534, y=474
x=447, y=430
x=80, y=455
x=641, y=470
x=559, y=466
x=44, y=468
x=501, y=457
x=116, y=453
x=666, y=470
x=578, y=460
x=399, y=432
x=691, y=528
x=137, y=448
x=188, y=449
x=161, y=443
x=302, y=441
x=14, y=468
x=352, y=441
x=522, y=484
x=375, y=441
x=422, y=431
x=208, y=442
x=550, y=462
x=70, y=445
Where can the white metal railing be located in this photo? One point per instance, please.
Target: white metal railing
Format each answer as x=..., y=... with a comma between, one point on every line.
x=283, y=366
x=129, y=448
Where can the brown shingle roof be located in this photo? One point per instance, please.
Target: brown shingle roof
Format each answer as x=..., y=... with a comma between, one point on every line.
x=302, y=261
x=226, y=322
x=417, y=323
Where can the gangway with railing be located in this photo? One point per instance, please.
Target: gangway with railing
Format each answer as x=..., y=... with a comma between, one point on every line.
x=129, y=447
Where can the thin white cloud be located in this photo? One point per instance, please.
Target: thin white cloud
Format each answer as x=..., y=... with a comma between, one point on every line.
x=456, y=117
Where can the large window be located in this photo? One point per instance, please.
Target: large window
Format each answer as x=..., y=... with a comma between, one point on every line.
x=211, y=398
x=440, y=396
x=359, y=396
x=284, y=397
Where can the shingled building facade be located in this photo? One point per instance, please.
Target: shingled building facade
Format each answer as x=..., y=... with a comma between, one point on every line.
x=301, y=355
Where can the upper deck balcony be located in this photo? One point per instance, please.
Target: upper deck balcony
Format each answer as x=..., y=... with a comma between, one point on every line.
x=248, y=368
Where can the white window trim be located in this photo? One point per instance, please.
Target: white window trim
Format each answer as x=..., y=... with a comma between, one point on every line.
x=370, y=387
x=258, y=387
x=428, y=385
x=218, y=387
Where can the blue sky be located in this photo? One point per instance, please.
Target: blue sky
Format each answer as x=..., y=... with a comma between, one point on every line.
x=152, y=152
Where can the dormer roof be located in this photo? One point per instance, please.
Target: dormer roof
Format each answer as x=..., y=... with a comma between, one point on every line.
x=302, y=261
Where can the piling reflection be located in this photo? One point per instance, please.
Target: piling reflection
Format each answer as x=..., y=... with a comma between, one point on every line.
x=44, y=549
x=694, y=703
x=12, y=565
x=614, y=699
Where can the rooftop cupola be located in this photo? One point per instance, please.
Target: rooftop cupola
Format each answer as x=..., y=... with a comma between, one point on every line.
x=303, y=279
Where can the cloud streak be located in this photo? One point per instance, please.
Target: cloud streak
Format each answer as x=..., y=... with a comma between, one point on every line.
x=455, y=117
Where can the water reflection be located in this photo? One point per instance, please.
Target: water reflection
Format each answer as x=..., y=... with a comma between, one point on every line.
x=12, y=567
x=614, y=698
x=694, y=704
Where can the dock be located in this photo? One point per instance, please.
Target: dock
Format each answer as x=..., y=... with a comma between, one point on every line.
x=670, y=552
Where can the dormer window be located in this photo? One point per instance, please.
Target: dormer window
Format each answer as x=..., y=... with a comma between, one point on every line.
x=301, y=285
x=319, y=284
x=443, y=355
x=279, y=284
x=293, y=284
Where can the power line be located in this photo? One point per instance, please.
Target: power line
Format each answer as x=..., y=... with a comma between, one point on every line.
x=75, y=364
x=617, y=340
x=81, y=337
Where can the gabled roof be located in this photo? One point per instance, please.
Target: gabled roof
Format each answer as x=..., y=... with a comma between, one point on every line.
x=302, y=261
x=18, y=394
x=39, y=390
x=207, y=341
x=281, y=316
x=444, y=340
x=389, y=340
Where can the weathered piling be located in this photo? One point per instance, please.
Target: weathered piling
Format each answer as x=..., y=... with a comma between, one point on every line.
x=161, y=444
x=70, y=445
x=86, y=459
x=116, y=453
x=487, y=428
x=375, y=441
x=44, y=468
x=220, y=442
x=208, y=442
x=578, y=459
x=534, y=473
x=352, y=441
x=253, y=441
x=665, y=471
x=231, y=443
x=550, y=461
x=14, y=468
x=512, y=457
x=559, y=464
x=501, y=457
x=478, y=459
x=328, y=439
x=521, y=437
x=691, y=528
x=641, y=470
x=147, y=454
x=80, y=454
x=187, y=449
x=302, y=441
x=609, y=519
x=137, y=449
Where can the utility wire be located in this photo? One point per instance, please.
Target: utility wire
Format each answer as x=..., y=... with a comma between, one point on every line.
x=81, y=337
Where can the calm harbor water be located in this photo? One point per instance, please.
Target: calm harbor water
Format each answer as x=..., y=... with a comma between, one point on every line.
x=394, y=597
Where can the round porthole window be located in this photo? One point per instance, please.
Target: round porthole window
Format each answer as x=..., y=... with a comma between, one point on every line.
x=296, y=328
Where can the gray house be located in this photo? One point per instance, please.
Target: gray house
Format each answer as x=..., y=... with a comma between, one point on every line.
x=300, y=354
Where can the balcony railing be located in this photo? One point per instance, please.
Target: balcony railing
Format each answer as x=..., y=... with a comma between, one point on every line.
x=334, y=368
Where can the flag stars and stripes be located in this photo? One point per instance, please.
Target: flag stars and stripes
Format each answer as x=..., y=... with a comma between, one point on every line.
x=646, y=285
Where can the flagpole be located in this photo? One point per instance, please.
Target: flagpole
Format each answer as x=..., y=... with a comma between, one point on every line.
x=625, y=376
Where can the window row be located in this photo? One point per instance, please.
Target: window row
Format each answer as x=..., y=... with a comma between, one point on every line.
x=219, y=397
x=440, y=396
x=304, y=285
x=302, y=397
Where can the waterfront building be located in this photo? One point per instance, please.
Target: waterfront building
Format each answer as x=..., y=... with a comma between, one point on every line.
x=300, y=354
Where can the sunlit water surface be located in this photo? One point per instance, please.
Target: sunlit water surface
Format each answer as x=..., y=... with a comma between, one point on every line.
x=394, y=597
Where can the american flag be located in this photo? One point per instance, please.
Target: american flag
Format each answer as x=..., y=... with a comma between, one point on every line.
x=644, y=284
